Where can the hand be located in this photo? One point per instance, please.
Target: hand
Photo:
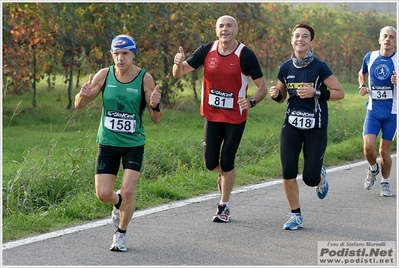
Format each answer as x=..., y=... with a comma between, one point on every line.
x=305, y=91
x=363, y=91
x=394, y=78
x=86, y=88
x=155, y=97
x=244, y=103
x=180, y=56
x=274, y=91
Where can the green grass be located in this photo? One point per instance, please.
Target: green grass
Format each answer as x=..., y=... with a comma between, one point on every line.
x=49, y=154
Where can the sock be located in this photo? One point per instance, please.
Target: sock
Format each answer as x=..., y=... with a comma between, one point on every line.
x=385, y=180
x=224, y=203
x=298, y=210
x=121, y=231
x=119, y=202
x=373, y=167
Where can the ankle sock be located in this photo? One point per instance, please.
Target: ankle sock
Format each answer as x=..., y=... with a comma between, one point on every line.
x=224, y=203
x=385, y=180
x=298, y=210
x=374, y=167
x=121, y=231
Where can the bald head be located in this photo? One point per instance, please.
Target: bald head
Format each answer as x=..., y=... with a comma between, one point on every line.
x=227, y=19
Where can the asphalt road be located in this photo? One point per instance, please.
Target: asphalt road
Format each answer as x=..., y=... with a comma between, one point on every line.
x=182, y=233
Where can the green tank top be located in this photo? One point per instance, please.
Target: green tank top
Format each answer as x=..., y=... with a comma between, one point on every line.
x=121, y=122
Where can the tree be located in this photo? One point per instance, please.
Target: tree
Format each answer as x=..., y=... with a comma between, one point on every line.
x=42, y=40
x=27, y=39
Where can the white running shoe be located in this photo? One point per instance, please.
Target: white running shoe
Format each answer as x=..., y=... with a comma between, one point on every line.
x=385, y=191
x=369, y=182
x=119, y=242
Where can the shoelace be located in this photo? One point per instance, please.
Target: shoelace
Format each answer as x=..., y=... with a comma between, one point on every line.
x=294, y=218
x=221, y=209
x=120, y=237
x=384, y=186
x=371, y=178
x=372, y=173
x=320, y=188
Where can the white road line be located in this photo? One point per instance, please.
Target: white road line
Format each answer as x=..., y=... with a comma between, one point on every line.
x=139, y=213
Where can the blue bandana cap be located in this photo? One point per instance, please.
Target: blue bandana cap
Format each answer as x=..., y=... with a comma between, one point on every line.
x=123, y=42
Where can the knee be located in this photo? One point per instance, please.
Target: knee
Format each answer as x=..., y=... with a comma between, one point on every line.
x=289, y=182
x=312, y=181
x=385, y=154
x=369, y=148
x=128, y=195
x=227, y=164
x=211, y=165
x=105, y=197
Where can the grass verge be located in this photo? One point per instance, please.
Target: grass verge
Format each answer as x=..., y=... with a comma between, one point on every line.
x=49, y=153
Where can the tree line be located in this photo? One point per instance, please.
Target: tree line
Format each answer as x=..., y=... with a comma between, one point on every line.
x=44, y=40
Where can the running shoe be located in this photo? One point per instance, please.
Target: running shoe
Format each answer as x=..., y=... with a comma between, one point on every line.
x=385, y=191
x=369, y=182
x=220, y=183
x=294, y=223
x=222, y=214
x=115, y=213
x=119, y=242
x=322, y=189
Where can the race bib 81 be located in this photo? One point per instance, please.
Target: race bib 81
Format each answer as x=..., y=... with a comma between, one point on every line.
x=220, y=99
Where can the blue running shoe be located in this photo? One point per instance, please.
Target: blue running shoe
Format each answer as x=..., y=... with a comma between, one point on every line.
x=322, y=189
x=294, y=223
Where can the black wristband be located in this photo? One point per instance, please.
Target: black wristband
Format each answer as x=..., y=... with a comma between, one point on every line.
x=252, y=101
x=157, y=108
x=325, y=94
x=279, y=97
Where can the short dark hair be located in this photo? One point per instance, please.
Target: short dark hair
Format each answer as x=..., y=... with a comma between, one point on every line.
x=301, y=25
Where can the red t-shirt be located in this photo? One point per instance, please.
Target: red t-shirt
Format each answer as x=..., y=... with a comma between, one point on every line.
x=223, y=82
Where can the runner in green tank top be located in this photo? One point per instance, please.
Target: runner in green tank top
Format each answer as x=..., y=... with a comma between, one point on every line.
x=121, y=118
x=126, y=91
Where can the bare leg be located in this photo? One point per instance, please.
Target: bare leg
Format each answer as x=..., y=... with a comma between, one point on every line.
x=291, y=190
x=228, y=179
x=128, y=192
x=104, y=184
x=369, y=142
x=386, y=160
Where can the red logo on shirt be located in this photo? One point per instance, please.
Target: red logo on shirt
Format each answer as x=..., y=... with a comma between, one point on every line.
x=212, y=62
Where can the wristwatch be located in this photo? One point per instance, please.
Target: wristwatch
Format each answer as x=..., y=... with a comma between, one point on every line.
x=317, y=93
x=252, y=101
x=362, y=86
x=157, y=108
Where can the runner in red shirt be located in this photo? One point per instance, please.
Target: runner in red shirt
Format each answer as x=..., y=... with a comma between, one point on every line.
x=228, y=66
